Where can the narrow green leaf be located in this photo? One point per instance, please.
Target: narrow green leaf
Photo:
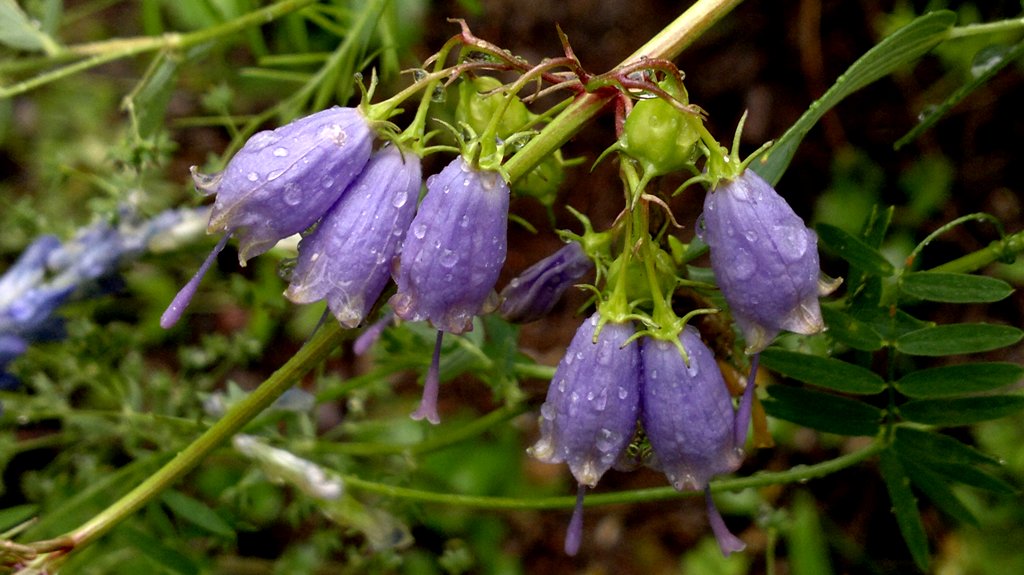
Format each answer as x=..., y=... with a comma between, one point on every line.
x=933, y=485
x=955, y=380
x=987, y=64
x=902, y=47
x=822, y=411
x=961, y=411
x=854, y=250
x=163, y=555
x=954, y=288
x=877, y=225
x=808, y=548
x=14, y=516
x=920, y=444
x=971, y=475
x=147, y=103
x=823, y=371
x=196, y=512
x=957, y=338
x=17, y=30
x=850, y=331
x=905, y=507
x=890, y=326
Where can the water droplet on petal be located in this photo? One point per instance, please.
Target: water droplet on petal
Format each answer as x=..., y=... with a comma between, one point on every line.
x=252, y=176
x=280, y=152
x=399, y=199
x=449, y=258
x=547, y=411
x=791, y=241
x=419, y=231
x=742, y=265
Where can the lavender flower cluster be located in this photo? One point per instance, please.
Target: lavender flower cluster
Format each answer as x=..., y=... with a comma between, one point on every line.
x=322, y=171
x=610, y=382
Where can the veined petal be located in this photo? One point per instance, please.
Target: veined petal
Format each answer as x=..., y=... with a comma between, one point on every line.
x=347, y=259
x=283, y=181
x=454, y=249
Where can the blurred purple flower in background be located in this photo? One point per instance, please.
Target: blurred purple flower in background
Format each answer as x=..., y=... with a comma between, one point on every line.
x=49, y=273
x=533, y=294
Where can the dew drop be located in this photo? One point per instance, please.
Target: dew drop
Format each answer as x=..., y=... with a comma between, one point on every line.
x=742, y=265
x=623, y=393
x=606, y=440
x=791, y=242
x=561, y=385
x=419, y=231
x=399, y=199
x=327, y=182
x=292, y=194
x=252, y=176
x=751, y=236
x=280, y=152
x=449, y=258
x=547, y=411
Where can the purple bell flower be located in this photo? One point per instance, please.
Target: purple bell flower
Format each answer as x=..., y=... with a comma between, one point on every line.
x=765, y=260
x=347, y=259
x=688, y=416
x=279, y=184
x=534, y=293
x=590, y=413
x=455, y=249
x=282, y=181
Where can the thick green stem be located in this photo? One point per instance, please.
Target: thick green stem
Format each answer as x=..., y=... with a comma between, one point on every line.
x=668, y=44
x=311, y=354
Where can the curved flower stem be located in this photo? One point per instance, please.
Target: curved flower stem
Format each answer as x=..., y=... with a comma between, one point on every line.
x=761, y=479
x=1010, y=245
x=315, y=351
x=98, y=53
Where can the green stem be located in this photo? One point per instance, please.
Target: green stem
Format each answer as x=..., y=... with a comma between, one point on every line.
x=1014, y=25
x=103, y=52
x=315, y=351
x=1010, y=245
x=761, y=479
x=668, y=44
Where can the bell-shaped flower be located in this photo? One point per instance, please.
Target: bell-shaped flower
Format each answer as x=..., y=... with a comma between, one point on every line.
x=590, y=413
x=279, y=184
x=451, y=258
x=282, y=181
x=347, y=259
x=764, y=258
x=533, y=294
x=688, y=417
x=454, y=249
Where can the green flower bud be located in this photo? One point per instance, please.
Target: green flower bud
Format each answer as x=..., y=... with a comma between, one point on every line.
x=659, y=136
x=476, y=109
